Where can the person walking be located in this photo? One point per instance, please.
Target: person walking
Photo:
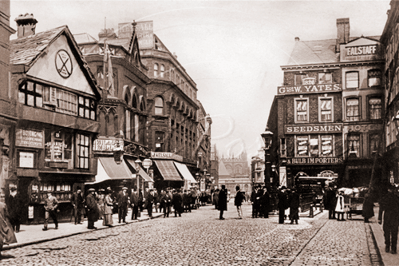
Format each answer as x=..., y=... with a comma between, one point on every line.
x=100, y=203
x=368, y=207
x=186, y=202
x=92, y=209
x=7, y=235
x=78, y=205
x=51, y=208
x=216, y=198
x=282, y=204
x=108, y=205
x=123, y=202
x=294, y=202
x=134, y=203
x=253, y=199
x=330, y=201
x=265, y=203
x=222, y=201
x=389, y=214
x=177, y=202
x=14, y=205
x=166, y=201
x=238, y=199
x=340, y=207
x=149, y=200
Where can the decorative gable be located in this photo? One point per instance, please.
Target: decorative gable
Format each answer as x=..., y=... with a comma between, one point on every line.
x=361, y=49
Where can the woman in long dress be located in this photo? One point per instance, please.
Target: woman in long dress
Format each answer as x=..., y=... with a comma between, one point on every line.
x=108, y=205
x=339, y=208
x=7, y=235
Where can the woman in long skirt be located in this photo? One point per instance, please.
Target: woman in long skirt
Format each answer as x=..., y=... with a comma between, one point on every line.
x=108, y=205
x=7, y=235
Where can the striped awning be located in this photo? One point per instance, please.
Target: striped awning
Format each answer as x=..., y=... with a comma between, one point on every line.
x=168, y=170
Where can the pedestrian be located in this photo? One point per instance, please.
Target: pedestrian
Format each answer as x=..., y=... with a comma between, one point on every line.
x=282, y=204
x=330, y=201
x=186, y=201
x=51, y=209
x=78, y=205
x=265, y=203
x=389, y=211
x=177, y=202
x=134, y=203
x=14, y=206
x=92, y=209
x=340, y=207
x=368, y=207
x=294, y=201
x=7, y=235
x=222, y=201
x=123, y=203
x=141, y=201
x=149, y=200
x=238, y=199
x=108, y=206
x=253, y=199
x=100, y=203
x=216, y=198
x=166, y=201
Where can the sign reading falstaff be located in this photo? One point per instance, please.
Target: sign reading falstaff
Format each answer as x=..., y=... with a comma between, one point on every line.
x=166, y=155
x=310, y=129
x=303, y=89
x=314, y=160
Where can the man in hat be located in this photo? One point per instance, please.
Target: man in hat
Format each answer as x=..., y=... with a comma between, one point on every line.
x=14, y=205
x=149, y=200
x=135, y=200
x=389, y=206
x=282, y=204
x=78, y=205
x=122, y=201
x=51, y=207
x=92, y=209
x=222, y=201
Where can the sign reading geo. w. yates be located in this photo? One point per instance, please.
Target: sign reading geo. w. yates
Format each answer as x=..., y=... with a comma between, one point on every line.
x=303, y=89
x=314, y=160
x=311, y=129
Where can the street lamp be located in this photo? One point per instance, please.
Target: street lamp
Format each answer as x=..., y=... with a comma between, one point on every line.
x=137, y=168
x=267, y=137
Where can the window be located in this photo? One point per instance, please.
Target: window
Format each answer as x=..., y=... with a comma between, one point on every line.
x=87, y=108
x=374, y=77
x=325, y=78
x=31, y=94
x=58, y=146
x=162, y=71
x=302, y=145
x=134, y=101
x=66, y=101
x=82, y=151
x=155, y=70
x=314, y=146
x=375, y=108
x=301, y=110
x=326, y=145
x=159, y=141
x=298, y=79
x=352, y=80
x=158, y=106
x=325, y=111
x=352, y=109
x=172, y=75
x=353, y=146
x=375, y=141
x=128, y=120
x=283, y=148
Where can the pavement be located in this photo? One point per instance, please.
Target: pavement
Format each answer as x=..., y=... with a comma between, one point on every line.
x=33, y=234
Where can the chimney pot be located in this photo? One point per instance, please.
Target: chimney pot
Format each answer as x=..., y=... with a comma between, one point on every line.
x=297, y=39
x=26, y=25
x=343, y=32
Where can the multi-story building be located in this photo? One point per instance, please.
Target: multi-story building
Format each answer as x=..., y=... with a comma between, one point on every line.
x=239, y=173
x=8, y=115
x=326, y=118
x=214, y=167
x=56, y=98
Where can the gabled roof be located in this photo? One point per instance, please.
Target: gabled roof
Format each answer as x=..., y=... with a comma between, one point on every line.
x=222, y=169
x=27, y=50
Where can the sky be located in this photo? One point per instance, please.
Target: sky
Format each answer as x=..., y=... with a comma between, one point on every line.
x=233, y=50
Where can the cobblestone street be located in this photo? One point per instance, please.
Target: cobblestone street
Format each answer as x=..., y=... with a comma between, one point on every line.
x=200, y=238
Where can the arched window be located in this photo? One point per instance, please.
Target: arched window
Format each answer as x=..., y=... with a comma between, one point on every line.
x=142, y=103
x=162, y=71
x=158, y=106
x=155, y=70
x=134, y=101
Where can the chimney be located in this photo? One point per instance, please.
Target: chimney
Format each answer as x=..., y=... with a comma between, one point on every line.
x=26, y=25
x=343, y=31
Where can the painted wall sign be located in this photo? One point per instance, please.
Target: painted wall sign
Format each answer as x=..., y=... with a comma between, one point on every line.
x=108, y=145
x=144, y=30
x=29, y=138
x=295, y=129
x=314, y=160
x=361, y=50
x=362, y=128
x=166, y=155
x=63, y=63
x=303, y=89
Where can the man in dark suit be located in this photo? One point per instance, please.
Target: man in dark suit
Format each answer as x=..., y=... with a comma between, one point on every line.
x=330, y=201
x=134, y=202
x=15, y=206
x=149, y=200
x=389, y=206
x=92, y=209
x=282, y=204
x=123, y=202
x=177, y=202
x=265, y=203
x=222, y=201
x=77, y=203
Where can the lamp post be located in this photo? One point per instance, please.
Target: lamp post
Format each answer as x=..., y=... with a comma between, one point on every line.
x=137, y=168
x=267, y=137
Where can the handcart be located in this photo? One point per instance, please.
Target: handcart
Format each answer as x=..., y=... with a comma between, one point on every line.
x=353, y=205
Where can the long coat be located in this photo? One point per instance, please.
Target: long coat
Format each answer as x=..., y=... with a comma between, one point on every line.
x=368, y=207
x=108, y=204
x=177, y=202
x=389, y=206
x=7, y=235
x=92, y=208
x=294, y=206
x=14, y=206
x=222, y=200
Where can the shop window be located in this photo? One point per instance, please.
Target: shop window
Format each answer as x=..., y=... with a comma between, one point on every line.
x=162, y=71
x=301, y=110
x=374, y=77
x=61, y=190
x=375, y=141
x=82, y=151
x=158, y=106
x=314, y=146
x=352, y=109
x=324, y=78
x=87, y=108
x=283, y=147
x=325, y=109
x=58, y=147
x=302, y=146
x=375, y=107
x=353, y=146
x=352, y=80
x=155, y=70
x=326, y=145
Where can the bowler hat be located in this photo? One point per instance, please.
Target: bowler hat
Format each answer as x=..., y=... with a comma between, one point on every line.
x=91, y=190
x=124, y=188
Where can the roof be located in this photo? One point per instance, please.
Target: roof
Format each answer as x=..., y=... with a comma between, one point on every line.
x=168, y=170
x=84, y=38
x=222, y=169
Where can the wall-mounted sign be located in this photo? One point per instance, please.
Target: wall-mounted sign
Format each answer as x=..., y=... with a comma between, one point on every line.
x=303, y=89
x=166, y=155
x=362, y=128
x=29, y=138
x=26, y=159
x=144, y=31
x=314, y=160
x=361, y=50
x=108, y=145
x=312, y=129
x=63, y=63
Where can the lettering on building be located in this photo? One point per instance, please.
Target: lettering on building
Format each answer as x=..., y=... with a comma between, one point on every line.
x=362, y=128
x=330, y=128
x=315, y=88
x=29, y=138
x=361, y=50
x=314, y=160
x=166, y=155
x=108, y=145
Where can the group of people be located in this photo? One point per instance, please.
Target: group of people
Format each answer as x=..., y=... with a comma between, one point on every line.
x=260, y=199
x=288, y=198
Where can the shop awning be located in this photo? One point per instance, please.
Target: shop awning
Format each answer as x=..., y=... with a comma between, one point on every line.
x=168, y=170
x=185, y=172
x=145, y=176
x=108, y=169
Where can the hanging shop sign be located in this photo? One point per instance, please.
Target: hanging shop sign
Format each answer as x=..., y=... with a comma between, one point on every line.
x=166, y=155
x=108, y=145
x=295, y=129
x=29, y=138
x=63, y=63
x=314, y=160
x=313, y=88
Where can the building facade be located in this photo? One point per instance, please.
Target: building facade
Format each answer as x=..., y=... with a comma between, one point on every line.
x=238, y=173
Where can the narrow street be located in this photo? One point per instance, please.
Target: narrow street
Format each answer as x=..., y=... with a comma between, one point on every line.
x=200, y=238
